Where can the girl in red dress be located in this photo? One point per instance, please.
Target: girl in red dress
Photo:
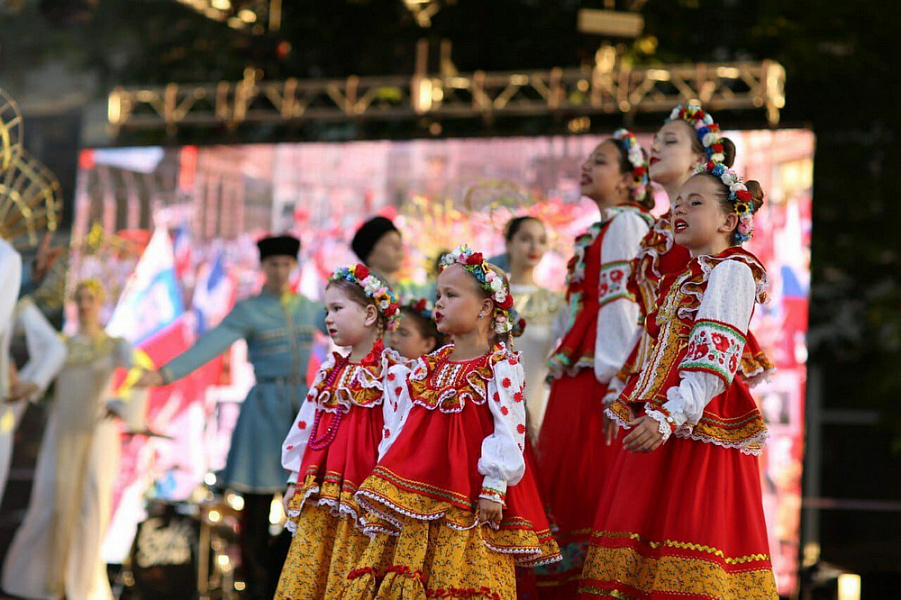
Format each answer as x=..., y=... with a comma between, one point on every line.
x=453, y=487
x=682, y=515
x=690, y=137
x=603, y=323
x=333, y=445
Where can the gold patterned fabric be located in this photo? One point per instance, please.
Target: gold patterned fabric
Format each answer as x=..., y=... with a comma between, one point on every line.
x=672, y=569
x=516, y=535
x=324, y=549
x=432, y=560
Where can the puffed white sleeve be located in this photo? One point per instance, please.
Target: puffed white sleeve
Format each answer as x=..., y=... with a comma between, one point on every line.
x=296, y=441
x=714, y=347
x=396, y=405
x=46, y=351
x=502, y=462
x=295, y=444
x=561, y=323
x=10, y=282
x=618, y=327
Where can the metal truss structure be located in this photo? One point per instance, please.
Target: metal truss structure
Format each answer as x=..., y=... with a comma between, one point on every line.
x=568, y=92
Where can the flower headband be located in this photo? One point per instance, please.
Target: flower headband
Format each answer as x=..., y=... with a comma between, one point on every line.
x=706, y=129
x=505, y=317
x=633, y=152
x=741, y=199
x=421, y=307
x=375, y=288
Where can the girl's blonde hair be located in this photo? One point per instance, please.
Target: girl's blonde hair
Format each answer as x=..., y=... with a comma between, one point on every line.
x=94, y=285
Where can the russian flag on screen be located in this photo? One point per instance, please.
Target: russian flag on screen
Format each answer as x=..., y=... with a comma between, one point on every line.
x=214, y=295
x=182, y=251
x=152, y=297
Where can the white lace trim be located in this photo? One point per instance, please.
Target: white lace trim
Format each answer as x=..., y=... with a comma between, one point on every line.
x=614, y=389
x=291, y=523
x=362, y=375
x=757, y=376
x=616, y=418
x=745, y=447
x=663, y=425
x=336, y=508
x=375, y=504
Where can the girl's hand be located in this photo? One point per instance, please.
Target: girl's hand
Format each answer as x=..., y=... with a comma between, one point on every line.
x=149, y=379
x=490, y=511
x=22, y=390
x=610, y=428
x=645, y=435
x=289, y=493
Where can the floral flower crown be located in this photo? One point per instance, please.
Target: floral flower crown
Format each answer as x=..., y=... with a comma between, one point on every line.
x=706, y=129
x=504, y=316
x=375, y=288
x=741, y=199
x=640, y=186
x=421, y=307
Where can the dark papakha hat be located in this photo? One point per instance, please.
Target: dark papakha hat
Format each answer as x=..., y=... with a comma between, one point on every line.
x=369, y=234
x=279, y=245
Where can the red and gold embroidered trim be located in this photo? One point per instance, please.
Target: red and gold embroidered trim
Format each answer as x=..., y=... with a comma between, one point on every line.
x=357, y=384
x=438, y=383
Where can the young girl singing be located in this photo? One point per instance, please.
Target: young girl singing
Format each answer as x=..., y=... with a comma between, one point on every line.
x=682, y=515
x=603, y=323
x=690, y=137
x=333, y=444
x=453, y=486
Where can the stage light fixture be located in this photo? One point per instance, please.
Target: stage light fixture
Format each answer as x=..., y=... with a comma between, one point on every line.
x=253, y=16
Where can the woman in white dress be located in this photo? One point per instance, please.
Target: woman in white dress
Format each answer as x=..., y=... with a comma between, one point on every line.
x=543, y=311
x=46, y=356
x=56, y=551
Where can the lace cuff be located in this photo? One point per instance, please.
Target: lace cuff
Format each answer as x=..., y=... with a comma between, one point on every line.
x=495, y=485
x=666, y=425
x=494, y=495
x=614, y=388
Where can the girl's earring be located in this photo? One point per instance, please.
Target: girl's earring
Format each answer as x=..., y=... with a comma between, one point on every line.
x=481, y=316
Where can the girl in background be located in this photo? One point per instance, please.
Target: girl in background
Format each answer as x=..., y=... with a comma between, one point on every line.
x=333, y=444
x=541, y=309
x=602, y=326
x=682, y=514
x=416, y=333
x=453, y=487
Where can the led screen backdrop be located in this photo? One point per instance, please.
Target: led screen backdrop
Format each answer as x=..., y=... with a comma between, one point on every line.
x=188, y=218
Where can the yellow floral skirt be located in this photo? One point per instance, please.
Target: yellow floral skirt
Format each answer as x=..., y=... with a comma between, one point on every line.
x=430, y=559
x=324, y=549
